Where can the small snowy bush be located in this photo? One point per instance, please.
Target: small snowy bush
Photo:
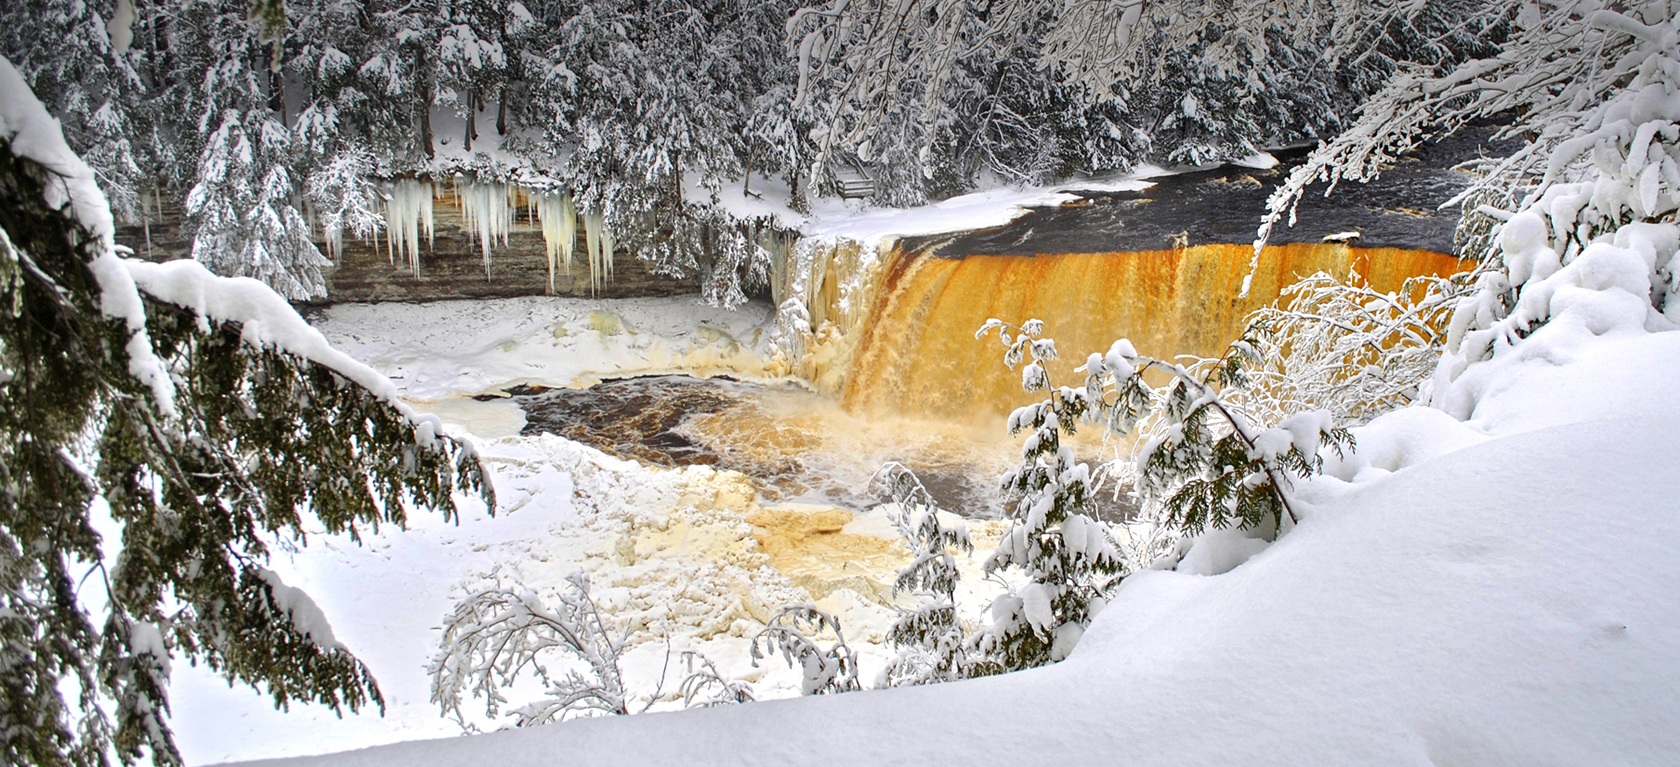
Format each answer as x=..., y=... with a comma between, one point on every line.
x=1054, y=538
x=932, y=645
x=789, y=634
x=1342, y=347
x=503, y=631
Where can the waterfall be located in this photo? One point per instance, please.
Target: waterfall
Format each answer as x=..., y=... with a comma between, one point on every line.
x=826, y=289
x=408, y=208
x=559, y=230
x=893, y=332
x=487, y=208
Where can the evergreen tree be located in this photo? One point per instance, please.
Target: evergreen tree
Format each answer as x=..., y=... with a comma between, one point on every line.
x=211, y=421
x=932, y=645
x=1054, y=537
x=244, y=222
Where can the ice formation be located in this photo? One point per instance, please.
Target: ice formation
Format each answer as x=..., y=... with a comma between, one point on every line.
x=488, y=210
x=599, y=244
x=408, y=208
x=779, y=245
x=559, y=229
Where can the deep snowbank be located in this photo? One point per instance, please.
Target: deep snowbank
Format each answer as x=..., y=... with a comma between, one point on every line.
x=1508, y=602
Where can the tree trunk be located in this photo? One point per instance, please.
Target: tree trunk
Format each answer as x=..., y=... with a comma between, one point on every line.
x=277, y=93
x=472, y=119
x=501, y=113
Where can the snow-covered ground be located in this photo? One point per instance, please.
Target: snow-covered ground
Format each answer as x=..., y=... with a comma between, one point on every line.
x=1509, y=603
x=1496, y=590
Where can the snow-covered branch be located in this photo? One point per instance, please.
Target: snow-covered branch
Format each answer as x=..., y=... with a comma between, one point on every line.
x=498, y=634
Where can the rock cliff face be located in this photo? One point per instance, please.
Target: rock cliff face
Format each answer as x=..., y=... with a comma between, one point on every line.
x=451, y=266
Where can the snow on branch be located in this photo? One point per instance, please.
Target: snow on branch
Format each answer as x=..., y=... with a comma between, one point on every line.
x=1571, y=78
x=34, y=134
x=825, y=670
x=502, y=632
x=266, y=321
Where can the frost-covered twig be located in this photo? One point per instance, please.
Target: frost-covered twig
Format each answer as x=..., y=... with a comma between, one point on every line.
x=1339, y=346
x=1570, y=79
x=499, y=633
x=789, y=634
x=704, y=687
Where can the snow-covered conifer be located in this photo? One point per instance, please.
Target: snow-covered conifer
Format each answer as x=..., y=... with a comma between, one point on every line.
x=212, y=420
x=244, y=223
x=1054, y=537
x=932, y=644
x=1205, y=464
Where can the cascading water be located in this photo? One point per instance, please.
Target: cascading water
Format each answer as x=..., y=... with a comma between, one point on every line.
x=895, y=335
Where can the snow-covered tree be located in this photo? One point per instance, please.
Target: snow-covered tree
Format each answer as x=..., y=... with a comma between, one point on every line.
x=833, y=669
x=1054, y=537
x=1342, y=347
x=505, y=630
x=212, y=420
x=932, y=644
x=1190, y=80
x=241, y=210
x=79, y=52
x=1594, y=92
x=1205, y=464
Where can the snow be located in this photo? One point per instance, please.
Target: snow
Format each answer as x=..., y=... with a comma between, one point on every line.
x=266, y=320
x=449, y=349
x=1505, y=601
x=35, y=134
x=121, y=27
x=300, y=610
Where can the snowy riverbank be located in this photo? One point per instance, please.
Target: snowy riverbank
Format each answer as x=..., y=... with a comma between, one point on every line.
x=1491, y=591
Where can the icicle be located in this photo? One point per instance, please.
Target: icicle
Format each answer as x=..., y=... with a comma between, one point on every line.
x=488, y=213
x=408, y=209
x=777, y=244
x=592, y=226
x=559, y=229
x=608, y=245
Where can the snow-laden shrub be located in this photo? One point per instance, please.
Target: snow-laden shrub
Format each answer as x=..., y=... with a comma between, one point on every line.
x=933, y=645
x=824, y=670
x=503, y=631
x=1591, y=244
x=1342, y=347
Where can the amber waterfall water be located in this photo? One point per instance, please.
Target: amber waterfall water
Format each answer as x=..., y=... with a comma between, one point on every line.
x=917, y=354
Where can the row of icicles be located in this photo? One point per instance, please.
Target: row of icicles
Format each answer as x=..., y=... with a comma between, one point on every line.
x=488, y=209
